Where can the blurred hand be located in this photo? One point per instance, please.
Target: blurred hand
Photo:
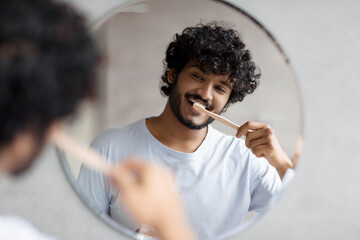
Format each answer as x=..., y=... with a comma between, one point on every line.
x=148, y=192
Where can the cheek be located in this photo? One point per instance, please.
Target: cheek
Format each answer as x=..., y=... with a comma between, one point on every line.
x=221, y=102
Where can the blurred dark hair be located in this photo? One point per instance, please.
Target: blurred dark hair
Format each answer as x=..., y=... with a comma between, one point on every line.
x=218, y=49
x=47, y=64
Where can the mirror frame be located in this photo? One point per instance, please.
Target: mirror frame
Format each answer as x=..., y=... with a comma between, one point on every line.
x=62, y=157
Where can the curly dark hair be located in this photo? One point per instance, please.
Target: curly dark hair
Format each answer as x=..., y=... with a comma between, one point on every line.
x=47, y=65
x=218, y=49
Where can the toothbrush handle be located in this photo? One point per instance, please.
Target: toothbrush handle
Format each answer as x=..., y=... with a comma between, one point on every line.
x=223, y=120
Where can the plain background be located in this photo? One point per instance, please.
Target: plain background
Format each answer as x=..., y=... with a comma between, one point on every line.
x=323, y=202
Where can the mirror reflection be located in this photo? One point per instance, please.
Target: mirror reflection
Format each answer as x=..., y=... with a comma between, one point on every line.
x=162, y=57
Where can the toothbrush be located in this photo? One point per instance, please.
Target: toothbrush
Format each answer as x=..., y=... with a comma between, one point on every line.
x=221, y=119
x=81, y=152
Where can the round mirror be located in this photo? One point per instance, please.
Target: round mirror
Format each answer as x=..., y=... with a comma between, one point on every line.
x=134, y=38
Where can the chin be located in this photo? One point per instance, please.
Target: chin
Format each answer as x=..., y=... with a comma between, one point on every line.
x=195, y=125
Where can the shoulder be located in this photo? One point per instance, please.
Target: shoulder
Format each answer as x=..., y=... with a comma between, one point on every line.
x=231, y=143
x=118, y=135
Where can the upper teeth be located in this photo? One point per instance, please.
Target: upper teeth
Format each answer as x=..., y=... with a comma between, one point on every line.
x=193, y=101
x=200, y=104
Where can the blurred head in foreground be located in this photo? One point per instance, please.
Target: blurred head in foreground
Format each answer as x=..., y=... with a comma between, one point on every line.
x=47, y=66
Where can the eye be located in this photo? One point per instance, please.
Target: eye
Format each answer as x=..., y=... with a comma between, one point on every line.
x=197, y=77
x=221, y=89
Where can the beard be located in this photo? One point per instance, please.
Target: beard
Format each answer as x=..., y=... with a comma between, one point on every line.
x=175, y=101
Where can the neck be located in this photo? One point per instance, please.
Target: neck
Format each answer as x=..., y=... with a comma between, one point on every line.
x=171, y=132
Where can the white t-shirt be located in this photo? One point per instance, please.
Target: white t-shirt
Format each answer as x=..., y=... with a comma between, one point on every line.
x=14, y=228
x=220, y=182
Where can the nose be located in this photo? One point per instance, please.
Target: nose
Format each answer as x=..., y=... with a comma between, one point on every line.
x=205, y=91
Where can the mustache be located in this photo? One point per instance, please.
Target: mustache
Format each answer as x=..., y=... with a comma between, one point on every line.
x=198, y=98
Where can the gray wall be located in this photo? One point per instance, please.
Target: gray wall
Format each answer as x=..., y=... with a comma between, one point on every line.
x=320, y=37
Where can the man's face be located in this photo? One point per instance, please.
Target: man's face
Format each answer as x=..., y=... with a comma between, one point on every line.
x=192, y=84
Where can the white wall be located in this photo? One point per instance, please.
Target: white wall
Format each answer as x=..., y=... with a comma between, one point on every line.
x=320, y=37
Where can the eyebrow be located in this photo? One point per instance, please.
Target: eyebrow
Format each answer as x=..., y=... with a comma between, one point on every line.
x=202, y=69
x=226, y=83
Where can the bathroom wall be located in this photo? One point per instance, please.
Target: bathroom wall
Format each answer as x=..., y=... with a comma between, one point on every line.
x=321, y=40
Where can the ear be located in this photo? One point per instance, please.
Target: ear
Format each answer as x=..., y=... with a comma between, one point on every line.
x=171, y=77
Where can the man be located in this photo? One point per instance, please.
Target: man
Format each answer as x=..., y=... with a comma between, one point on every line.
x=221, y=177
x=48, y=63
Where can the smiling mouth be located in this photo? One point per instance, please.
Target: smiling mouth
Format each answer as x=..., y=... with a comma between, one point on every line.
x=192, y=101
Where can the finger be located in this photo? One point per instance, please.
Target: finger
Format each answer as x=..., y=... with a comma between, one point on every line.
x=139, y=170
x=260, y=151
x=121, y=177
x=250, y=125
x=258, y=142
x=265, y=133
x=135, y=164
x=257, y=134
x=129, y=173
